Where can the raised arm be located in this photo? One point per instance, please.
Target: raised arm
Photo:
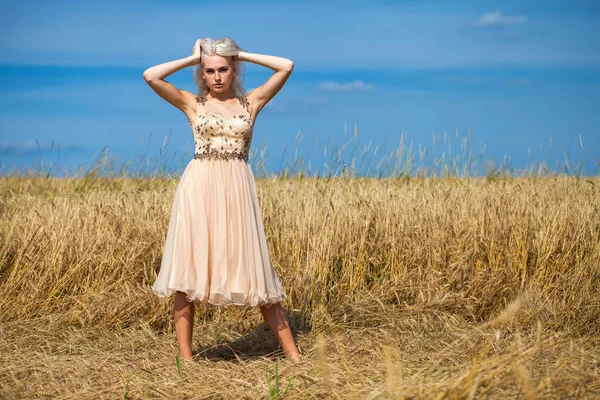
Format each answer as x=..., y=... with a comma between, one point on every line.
x=283, y=67
x=154, y=77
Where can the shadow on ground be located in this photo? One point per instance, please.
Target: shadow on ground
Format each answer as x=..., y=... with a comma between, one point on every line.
x=258, y=343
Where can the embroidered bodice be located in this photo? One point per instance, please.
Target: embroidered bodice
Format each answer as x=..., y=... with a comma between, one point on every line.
x=222, y=131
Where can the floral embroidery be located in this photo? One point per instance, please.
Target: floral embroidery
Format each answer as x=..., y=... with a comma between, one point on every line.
x=201, y=99
x=208, y=129
x=219, y=155
x=245, y=103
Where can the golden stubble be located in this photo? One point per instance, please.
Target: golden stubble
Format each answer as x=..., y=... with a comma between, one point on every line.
x=398, y=288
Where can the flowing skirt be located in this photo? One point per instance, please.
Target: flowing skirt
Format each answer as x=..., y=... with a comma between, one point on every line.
x=216, y=251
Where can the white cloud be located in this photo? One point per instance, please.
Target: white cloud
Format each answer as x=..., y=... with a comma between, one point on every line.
x=107, y=33
x=495, y=19
x=346, y=87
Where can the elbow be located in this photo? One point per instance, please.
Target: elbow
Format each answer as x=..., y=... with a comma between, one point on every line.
x=147, y=76
x=290, y=66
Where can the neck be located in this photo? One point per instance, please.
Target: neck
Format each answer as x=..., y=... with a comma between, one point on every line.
x=221, y=96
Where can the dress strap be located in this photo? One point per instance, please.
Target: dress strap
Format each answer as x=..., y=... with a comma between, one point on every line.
x=245, y=103
x=201, y=99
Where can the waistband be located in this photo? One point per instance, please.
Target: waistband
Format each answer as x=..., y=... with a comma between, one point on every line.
x=214, y=155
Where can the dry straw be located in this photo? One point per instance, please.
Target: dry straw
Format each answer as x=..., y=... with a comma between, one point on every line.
x=406, y=287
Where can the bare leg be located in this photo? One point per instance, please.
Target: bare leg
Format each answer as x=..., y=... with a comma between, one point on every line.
x=276, y=319
x=184, y=324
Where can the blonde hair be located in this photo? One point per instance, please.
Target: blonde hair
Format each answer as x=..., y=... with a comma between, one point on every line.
x=224, y=47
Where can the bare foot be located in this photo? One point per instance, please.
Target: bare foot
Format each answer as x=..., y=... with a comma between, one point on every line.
x=188, y=358
x=294, y=356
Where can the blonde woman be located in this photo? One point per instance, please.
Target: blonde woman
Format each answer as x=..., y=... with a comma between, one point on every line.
x=216, y=251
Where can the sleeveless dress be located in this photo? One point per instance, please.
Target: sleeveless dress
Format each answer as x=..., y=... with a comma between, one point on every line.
x=216, y=251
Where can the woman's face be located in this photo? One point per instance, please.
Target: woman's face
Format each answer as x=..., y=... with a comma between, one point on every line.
x=218, y=73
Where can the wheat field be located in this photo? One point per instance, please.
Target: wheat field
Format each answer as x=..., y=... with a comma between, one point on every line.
x=398, y=288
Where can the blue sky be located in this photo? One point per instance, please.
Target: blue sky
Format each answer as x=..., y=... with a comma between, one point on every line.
x=506, y=76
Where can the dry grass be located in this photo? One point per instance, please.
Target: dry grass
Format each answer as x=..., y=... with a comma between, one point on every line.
x=398, y=288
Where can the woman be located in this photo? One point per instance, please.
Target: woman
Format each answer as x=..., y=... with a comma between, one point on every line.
x=216, y=252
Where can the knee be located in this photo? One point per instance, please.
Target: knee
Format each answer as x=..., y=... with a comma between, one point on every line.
x=181, y=298
x=270, y=308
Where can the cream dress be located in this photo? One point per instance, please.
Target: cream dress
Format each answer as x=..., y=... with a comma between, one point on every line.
x=216, y=251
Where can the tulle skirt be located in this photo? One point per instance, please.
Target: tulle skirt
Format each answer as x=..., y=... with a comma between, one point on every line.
x=216, y=251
